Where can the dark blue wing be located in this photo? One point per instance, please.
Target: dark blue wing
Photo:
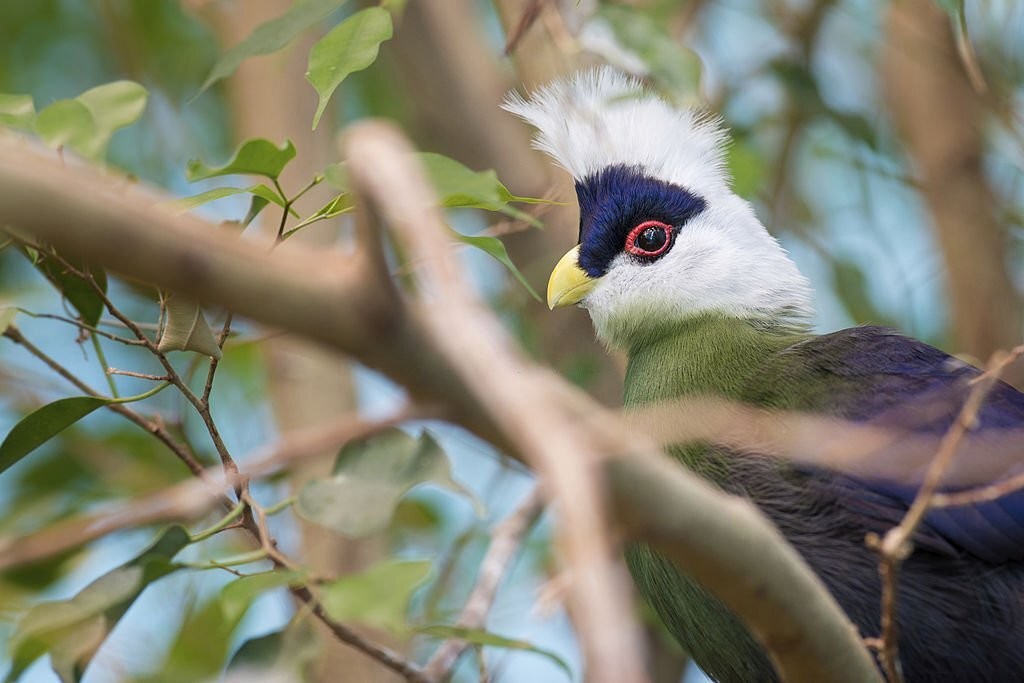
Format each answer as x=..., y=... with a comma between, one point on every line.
x=871, y=374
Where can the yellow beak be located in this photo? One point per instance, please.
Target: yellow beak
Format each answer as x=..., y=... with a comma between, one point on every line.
x=568, y=283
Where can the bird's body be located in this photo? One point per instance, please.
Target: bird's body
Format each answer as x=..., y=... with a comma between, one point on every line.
x=677, y=271
x=961, y=618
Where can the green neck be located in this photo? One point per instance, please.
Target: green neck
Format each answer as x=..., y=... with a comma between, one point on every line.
x=706, y=356
x=709, y=355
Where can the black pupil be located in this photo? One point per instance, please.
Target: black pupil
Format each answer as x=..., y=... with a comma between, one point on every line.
x=651, y=239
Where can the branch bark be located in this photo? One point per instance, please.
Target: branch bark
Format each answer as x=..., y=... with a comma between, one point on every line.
x=941, y=120
x=722, y=541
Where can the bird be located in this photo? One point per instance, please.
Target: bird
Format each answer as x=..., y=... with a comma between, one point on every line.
x=677, y=271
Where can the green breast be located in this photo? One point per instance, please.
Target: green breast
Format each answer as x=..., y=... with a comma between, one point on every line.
x=716, y=357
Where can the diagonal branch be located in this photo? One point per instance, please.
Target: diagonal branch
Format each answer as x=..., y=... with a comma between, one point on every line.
x=719, y=540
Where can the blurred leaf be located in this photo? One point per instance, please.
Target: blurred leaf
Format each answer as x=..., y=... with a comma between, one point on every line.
x=417, y=516
x=66, y=123
x=457, y=186
x=337, y=175
x=39, y=575
x=378, y=596
x=201, y=647
x=186, y=329
x=167, y=40
x=189, y=203
x=350, y=46
x=856, y=127
x=113, y=106
x=675, y=67
x=288, y=651
x=369, y=479
x=800, y=83
x=255, y=156
x=482, y=637
x=496, y=249
x=87, y=122
x=79, y=292
x=851, y=287
x=17, y=111
x=43, y=424
x=72, y=630
x=271, y=36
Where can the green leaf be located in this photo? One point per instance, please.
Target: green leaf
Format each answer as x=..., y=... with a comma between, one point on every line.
x=288, y=651
x=256, y=207
x=496, y=249
x=66, y=123
x=271, y=36
x=378, y=596
x=186, y=329
x=261, y=191
x=350, y=46
x=337, y=175
x=113, y=106
x=341, y=204
x=369, y=479
x=43, y=424
x=481, y=637
x=458, y=186
x=203, y=641
x=189, y=203
x=17, y=111
x=87, y=122
x=72, y=630
x=79, y=292
x=255, y=156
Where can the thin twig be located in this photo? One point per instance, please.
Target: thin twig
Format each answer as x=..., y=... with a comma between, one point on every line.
x=191, y=498
x=150, y=425
x=138, y=375
x=896, y=546
x=82, y=326
x=505, y=542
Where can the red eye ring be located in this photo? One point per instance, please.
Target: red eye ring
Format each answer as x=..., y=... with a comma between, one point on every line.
x=633, y=248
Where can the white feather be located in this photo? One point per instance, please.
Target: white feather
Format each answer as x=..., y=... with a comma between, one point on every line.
x=603, y=117
x=722, y=262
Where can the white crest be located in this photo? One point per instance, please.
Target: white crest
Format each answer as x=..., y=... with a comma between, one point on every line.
x=602, y=117
x=723, y=260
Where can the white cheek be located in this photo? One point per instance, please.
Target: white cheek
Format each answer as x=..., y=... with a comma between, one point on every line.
x=736, y=271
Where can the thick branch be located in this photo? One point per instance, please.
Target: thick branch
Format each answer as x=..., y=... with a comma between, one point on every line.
x=720, y=540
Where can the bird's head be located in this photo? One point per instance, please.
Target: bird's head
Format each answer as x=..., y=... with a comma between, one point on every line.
x=663, y=238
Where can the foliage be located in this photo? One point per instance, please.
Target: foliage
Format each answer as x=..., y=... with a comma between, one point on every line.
x=805, y=150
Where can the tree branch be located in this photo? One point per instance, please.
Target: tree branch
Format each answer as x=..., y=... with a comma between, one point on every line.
x=721, y=541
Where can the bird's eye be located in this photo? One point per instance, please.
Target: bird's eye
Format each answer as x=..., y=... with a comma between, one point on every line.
x=650, y=238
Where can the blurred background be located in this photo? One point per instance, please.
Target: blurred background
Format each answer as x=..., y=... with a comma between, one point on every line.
x=881, y=142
